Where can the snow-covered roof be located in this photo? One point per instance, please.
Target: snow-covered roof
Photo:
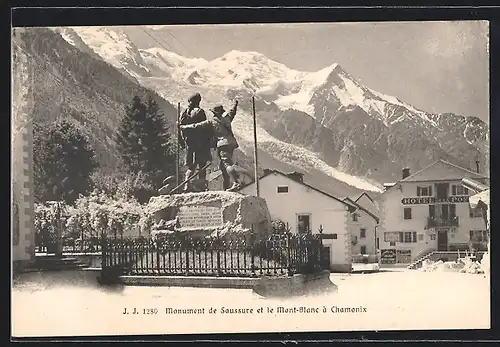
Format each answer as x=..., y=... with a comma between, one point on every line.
x=482, y=197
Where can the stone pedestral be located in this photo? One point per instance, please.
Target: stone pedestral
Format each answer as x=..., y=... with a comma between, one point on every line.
x=210, y=213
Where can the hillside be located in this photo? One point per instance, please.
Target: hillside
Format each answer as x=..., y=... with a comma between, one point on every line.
x=68, y=82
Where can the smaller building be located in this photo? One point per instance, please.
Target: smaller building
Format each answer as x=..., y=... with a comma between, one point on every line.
x=307, y=209
x=364, y=228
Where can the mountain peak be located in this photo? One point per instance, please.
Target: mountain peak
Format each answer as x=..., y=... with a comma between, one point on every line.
x=237, y=54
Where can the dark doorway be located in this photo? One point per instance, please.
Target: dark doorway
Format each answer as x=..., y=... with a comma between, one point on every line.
x=325, y=258
x=304, y=223
x=442, y=239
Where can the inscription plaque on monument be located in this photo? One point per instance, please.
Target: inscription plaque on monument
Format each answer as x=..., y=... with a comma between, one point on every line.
x=199, y=217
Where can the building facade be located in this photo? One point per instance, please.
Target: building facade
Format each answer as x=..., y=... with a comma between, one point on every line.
x=22, y=199
x=363, y=235
x=429, y=211
x=308, y=209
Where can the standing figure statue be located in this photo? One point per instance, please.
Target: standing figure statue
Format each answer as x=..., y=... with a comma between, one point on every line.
x=220, y=128
x=198, y=151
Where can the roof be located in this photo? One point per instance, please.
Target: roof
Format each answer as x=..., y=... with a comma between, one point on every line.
x=366, y=194
x=269, y=172
x=359, y=207
x=417, y=176
x=454, y=170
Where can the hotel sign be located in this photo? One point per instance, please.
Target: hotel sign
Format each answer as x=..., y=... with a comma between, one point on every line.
x=433, y=200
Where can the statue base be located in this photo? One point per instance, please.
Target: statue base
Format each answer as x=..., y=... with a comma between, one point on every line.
x=212, y=213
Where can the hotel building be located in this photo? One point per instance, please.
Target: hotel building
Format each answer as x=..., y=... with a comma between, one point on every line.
x=429, y=211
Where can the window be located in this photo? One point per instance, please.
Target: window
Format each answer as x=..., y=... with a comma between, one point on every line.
x=448, y=211
x=459, y=190
x=363, y=250
x=433, y=237
x=304, y=223
x=334, y=236
x=478, y=235
x=282, y=189
x=421, y=237
x=475, y=212
x=432, y=211
x=424, y=191
x=392, y=236
x=407, y=213
x=362, y=233
x=409, y=236
x=354, y=217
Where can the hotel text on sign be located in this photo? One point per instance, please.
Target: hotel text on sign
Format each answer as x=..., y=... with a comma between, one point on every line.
x=198, y=217
x=433, y=200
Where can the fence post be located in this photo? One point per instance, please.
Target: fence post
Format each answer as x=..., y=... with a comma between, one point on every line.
x=288, y=260
x=217, y=242
x=104, y=250
x=252, y=251
x=186, y=249
x=157, y=241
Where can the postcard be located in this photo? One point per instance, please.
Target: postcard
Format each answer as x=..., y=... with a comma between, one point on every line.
x=293, y=177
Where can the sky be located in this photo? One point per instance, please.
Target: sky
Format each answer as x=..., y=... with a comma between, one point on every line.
x=438, y=67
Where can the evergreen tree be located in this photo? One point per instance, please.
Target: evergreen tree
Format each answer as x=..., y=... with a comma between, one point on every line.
x=63, y=162
x=144, y=142
x=159, y=156
x=131, y=134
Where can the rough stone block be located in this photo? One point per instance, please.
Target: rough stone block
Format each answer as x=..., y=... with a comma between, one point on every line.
x=212, y=213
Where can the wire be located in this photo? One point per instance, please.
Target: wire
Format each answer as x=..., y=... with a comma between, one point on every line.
x=175, y=38
x=168, y=49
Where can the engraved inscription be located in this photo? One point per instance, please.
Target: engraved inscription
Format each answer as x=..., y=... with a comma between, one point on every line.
x=197, y=217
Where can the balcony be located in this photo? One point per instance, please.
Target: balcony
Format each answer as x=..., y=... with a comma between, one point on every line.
x=440, y=222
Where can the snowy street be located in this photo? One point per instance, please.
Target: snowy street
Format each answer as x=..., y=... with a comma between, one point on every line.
x=396, y=299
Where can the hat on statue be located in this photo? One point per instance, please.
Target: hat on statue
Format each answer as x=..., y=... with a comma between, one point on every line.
x=219, y=109
x=195, y=97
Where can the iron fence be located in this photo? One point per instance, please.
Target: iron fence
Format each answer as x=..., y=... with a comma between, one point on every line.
x=48, y=244
x=242, y=256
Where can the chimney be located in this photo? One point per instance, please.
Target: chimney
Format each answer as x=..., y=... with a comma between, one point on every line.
x=406, y=172
x=296, y=176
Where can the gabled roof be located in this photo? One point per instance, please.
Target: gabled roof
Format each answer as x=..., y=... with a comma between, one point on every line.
x=366, y=194
x=454, y=172
x=359, y=207
x=418, y=176
x=270, y=172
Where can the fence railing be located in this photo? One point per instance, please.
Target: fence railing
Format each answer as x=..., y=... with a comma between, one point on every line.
x=243, y=256
x=48, y=244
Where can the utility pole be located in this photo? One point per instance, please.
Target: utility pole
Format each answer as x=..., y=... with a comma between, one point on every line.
x=255, y=153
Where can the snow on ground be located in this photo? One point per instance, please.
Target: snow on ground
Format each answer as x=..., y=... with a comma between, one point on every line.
x=394, y=300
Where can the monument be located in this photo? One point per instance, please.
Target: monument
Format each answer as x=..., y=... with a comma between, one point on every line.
x=213, y=213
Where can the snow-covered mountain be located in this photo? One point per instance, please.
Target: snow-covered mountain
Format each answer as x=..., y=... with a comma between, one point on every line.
x=347, y=131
